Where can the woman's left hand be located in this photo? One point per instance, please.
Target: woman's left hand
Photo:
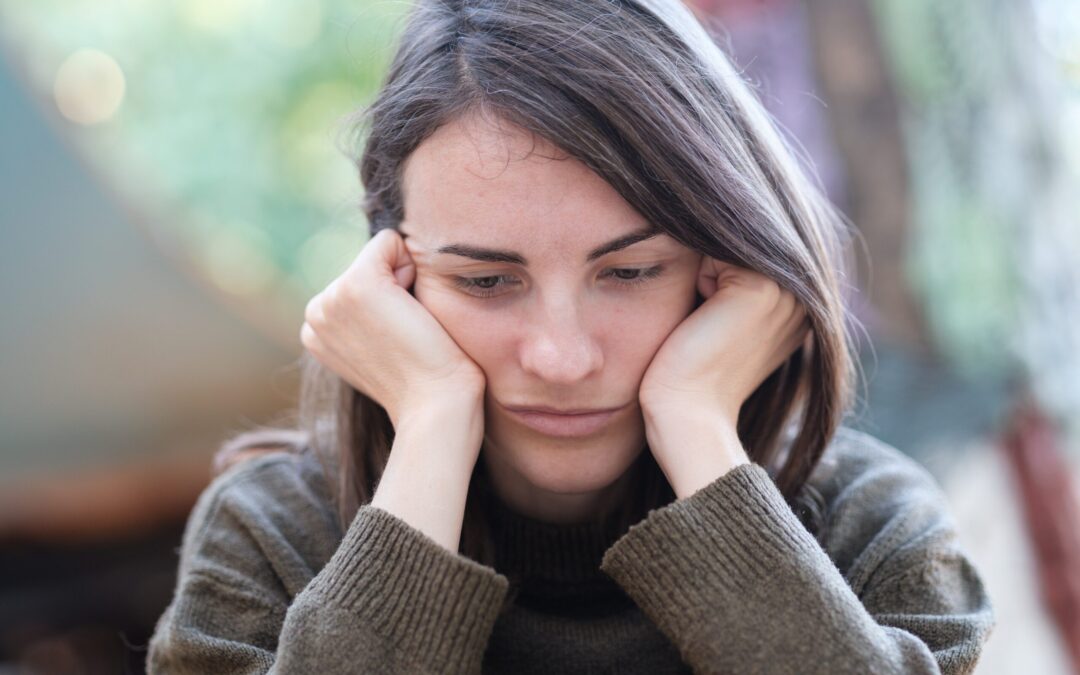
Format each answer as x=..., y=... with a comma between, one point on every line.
x=708, y=366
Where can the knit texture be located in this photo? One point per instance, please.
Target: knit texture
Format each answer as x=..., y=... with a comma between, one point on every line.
x=727, y=580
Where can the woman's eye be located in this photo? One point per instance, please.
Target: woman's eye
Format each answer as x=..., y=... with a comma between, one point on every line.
x=486, y=287
x=483, y=287
x=636, y=274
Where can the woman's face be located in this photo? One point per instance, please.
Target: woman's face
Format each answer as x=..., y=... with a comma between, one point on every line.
x=558, y=318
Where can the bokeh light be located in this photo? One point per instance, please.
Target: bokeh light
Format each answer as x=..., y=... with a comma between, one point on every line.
x=230, y=113
x=89, y=87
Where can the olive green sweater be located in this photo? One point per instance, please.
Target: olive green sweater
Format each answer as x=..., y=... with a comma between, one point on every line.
x=727, y=580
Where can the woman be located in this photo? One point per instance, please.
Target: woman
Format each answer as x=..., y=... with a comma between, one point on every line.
x=577, y=401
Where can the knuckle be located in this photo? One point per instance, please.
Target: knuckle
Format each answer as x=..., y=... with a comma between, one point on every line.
x=773, y=290
x=345, y=294
x=763, y=285
x=349, y=294
x=313, y=312
x=373, y=248
x=308, y=338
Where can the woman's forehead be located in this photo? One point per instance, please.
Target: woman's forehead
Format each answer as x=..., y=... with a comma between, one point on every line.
x=496, y=184
x=486, y=142
x=470, y=159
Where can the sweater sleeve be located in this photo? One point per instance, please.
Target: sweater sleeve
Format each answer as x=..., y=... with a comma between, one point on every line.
x=736, y=582
x=389, y=599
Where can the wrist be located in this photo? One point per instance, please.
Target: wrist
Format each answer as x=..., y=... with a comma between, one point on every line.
x=426, y=478
x=457, y=409
x=691, y=407
x=693, y=446
x=440, y=424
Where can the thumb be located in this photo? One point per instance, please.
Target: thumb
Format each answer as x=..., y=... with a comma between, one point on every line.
x=404, y=265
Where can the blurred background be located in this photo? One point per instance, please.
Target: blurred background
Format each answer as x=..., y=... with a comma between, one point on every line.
x=172, y=193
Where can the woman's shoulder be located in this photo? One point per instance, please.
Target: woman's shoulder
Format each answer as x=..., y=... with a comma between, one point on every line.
x=272, y=510
x=876, y=501
x=850, y=455
x=269, y=476
x=856, y=459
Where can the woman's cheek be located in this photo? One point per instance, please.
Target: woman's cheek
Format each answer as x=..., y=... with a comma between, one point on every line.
x=458, y=315
x=650, y=328
x=438, y=301
x=661, y=314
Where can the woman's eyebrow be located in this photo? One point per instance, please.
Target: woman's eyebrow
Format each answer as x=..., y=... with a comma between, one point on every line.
x=514, y=258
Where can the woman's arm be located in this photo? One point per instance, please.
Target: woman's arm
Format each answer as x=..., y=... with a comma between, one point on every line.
x=732, y=577
x=253, y=594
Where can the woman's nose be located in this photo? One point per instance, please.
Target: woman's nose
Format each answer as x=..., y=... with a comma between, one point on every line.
x=560, y=349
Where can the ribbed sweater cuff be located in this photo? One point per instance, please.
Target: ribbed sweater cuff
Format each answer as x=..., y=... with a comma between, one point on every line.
x=438, y=606
x=733, y=543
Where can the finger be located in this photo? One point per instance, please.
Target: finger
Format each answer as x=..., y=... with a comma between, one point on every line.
x=707, y=278
x=402, y=266
x=797, y=313
x=789, y=346
x=392, y=257
x=375, y=253
x=714, y=275
x=309, y=339
x=797, y=338
x=313, y=311
x=405, y=273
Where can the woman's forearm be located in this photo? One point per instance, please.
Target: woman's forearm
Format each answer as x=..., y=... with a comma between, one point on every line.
x=426, y=480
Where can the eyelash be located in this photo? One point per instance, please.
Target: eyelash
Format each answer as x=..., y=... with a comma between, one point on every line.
x=469, y=283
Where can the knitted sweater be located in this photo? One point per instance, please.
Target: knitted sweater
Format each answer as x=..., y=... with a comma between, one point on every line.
x=727, y=580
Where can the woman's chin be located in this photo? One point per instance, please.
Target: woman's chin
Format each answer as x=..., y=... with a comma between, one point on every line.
x=559, y=468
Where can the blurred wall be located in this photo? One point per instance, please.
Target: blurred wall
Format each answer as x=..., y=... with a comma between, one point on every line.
x=108, y=351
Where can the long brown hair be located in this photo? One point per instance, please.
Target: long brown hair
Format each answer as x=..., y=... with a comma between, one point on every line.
x=639, y=92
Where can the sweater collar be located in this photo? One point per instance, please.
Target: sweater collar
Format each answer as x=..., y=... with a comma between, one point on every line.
x=555, y=568
x=535, y=550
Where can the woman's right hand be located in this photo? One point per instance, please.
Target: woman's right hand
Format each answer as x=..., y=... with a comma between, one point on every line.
x=367, y=328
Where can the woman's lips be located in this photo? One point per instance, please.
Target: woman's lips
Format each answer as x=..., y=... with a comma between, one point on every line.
x=565, y=426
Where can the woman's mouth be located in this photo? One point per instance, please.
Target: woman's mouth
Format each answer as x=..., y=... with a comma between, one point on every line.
x=565, y=425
